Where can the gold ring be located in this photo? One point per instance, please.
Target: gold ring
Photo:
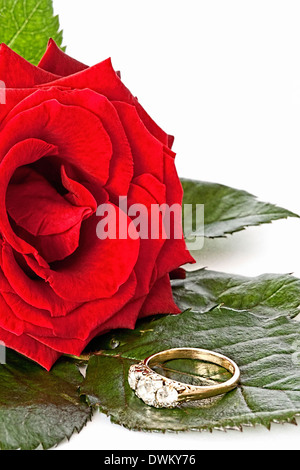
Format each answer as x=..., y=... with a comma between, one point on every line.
x=161, y=392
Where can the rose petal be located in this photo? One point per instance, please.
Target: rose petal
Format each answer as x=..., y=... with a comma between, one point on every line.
x=153, y=186
x=78, y=195
x=174, y=253
x=57, y=62
x=147, y=151
x=26, y=314
x=36, y=292
x=16, y=72
x=125, y=318
x=121, y=164
x=11, y=97
x=31, y=348
x=8, y=321
x=24, y=152
x=88, y=275
x=103, y=79
x=149, y=248
x=80, y=325
x=54, y=247
x=49, y=214
x=77, y=133
x=160, y=300
x=77, y=326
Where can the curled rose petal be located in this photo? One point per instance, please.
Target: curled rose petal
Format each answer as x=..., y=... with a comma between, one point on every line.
x=121, y=164
x=50, y=212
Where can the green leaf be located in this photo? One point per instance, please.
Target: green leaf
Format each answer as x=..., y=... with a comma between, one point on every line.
x=202, y=290
x=39, y=408
x=229, y=210
x=27, y=25
x=250, y=320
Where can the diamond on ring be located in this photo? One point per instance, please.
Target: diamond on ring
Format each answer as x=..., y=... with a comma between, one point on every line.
x=152, y=388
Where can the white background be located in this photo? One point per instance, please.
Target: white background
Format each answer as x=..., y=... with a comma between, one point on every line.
x=223, y=76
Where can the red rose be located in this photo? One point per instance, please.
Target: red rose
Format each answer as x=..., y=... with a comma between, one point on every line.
x=72, y=138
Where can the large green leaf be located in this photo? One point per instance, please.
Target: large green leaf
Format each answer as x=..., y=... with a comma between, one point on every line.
x=39, y=408
x=250, y=320
x=266, y=294
x=27, y=25
x=228, y=210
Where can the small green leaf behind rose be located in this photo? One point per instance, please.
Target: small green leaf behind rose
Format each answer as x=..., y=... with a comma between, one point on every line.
x=229, y=210
x=250, y=320
x=26, y=26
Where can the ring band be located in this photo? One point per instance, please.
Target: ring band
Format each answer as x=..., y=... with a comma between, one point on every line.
x=159, y=391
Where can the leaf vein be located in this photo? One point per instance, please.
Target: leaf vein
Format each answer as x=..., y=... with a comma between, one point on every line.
x=26, y=21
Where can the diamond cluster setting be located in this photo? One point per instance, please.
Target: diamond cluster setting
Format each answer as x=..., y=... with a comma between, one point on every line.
x=154, y=389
